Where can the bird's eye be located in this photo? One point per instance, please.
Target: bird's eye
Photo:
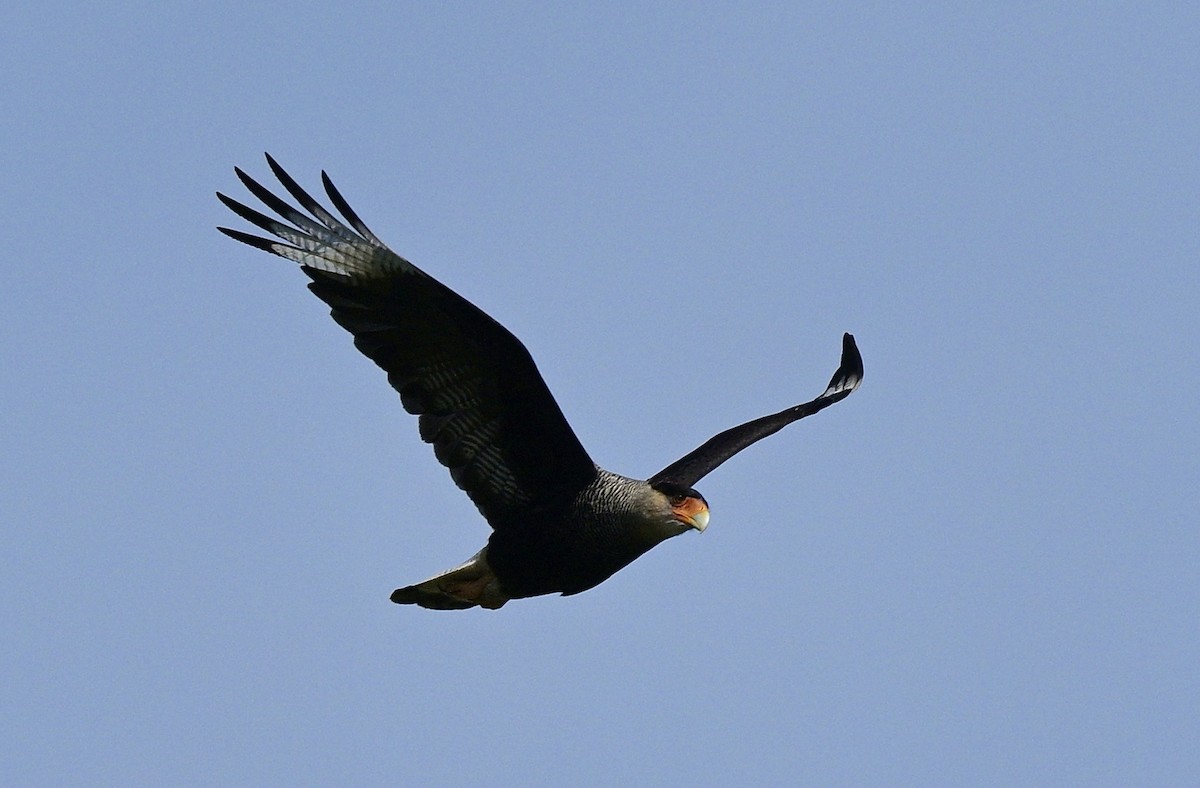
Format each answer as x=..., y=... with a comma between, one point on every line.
x=677, y=500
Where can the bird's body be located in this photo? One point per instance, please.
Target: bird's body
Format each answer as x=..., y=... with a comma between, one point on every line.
x=561, y=524
x=610, y=529
x=560, y=546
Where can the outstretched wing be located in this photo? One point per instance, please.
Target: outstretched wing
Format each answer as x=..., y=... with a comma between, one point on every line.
x=697, y=464
x=481, y=400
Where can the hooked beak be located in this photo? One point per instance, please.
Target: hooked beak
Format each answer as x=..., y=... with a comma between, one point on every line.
x=693, y=512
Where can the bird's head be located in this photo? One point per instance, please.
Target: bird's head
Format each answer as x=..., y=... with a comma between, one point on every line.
x=687, y=507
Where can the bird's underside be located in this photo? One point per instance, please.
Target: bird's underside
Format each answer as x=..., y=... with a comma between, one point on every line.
x=560, y=524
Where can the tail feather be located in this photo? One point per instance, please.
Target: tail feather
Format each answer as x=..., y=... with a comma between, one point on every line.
x=460, y=588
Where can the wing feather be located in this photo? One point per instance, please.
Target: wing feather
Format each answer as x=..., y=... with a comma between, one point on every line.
x=480, y=399
x=698, y=463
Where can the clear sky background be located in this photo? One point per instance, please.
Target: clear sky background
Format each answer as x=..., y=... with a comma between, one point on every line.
x=981, y=568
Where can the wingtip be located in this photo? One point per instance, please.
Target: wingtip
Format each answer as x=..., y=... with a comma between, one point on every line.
x=265, y=244
x=246, y=180
x=849, y=374
x=850, y=354
x=274, y=165
x=849, y=346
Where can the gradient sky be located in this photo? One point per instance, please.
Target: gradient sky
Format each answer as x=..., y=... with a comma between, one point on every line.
x=979, y=569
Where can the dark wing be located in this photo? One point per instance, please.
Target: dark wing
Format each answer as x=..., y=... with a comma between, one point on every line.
x=481, y=400
x=697, y=464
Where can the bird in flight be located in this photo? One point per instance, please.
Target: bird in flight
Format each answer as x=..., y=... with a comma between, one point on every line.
x=560, y=523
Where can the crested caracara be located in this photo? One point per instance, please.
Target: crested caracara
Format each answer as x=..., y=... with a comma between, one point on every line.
x=560, y=523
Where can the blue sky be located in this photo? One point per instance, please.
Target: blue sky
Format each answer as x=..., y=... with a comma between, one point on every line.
x=981, y=568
